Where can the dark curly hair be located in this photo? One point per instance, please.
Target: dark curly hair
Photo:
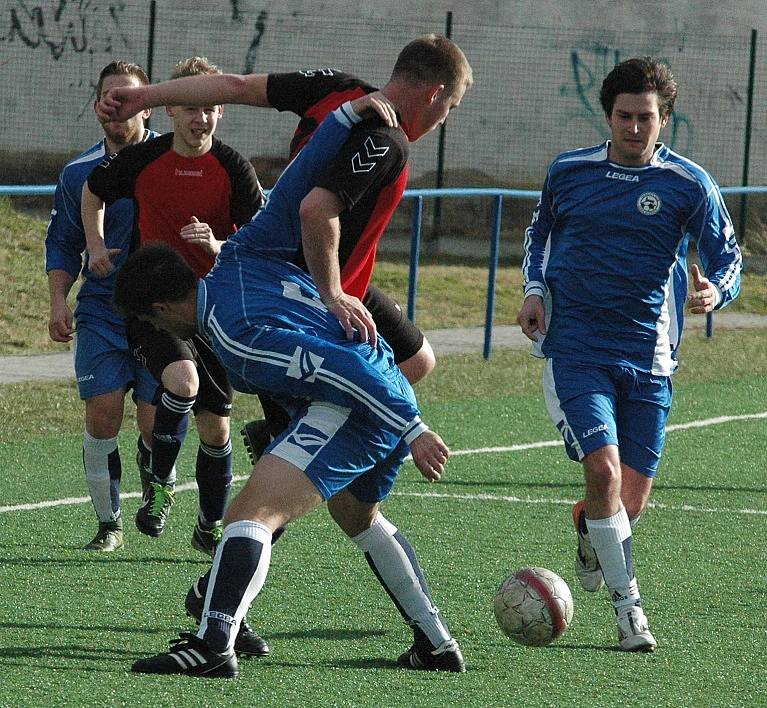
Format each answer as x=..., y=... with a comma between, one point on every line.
x=152, y=274
x=638, y=76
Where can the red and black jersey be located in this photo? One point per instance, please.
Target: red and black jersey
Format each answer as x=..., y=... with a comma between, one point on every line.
x=369, y=174
x=220, y=188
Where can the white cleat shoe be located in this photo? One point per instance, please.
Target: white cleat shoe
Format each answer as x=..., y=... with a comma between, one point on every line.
x=587, y=568
x=634, y=632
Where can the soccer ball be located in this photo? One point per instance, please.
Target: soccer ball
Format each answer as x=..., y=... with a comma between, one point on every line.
x=533, y=606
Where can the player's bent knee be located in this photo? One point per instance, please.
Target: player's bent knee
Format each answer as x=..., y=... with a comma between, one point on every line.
x=180, y=378
x=104, y=415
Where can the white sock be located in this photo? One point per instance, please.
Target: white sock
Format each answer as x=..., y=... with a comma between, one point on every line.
x=609, y=539
x=103, y=487
x=399, y=573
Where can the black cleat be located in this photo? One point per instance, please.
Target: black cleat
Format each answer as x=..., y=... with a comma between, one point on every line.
x=189, y=655
x=446, y=657
x=256, y=437
x=154, y=509
x=246, y=644
x=109, y=537
x=205, y=540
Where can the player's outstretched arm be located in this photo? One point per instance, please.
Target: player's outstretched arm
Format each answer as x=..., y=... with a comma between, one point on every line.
x=123, y=102
x=532, y=317
x=430, y=455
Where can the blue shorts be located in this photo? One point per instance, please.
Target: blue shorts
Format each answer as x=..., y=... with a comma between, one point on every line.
x=594, y=405
x=103, y=363
x=336, y=450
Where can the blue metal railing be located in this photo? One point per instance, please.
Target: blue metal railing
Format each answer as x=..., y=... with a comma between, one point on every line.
x=417, y=226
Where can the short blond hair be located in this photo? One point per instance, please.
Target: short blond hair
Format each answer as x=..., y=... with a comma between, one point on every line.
x=434, y=58
x=194, y=66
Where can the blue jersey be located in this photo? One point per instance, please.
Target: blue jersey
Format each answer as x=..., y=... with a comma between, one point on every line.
x=607, y=250
x=265, y=319
x=65, y=239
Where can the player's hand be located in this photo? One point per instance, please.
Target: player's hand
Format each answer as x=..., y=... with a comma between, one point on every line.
x=100, y=260
x=201, y=235
x=61, y=323
x=119, y=104
x=705, y=297
x=430, y=455
x=532, y=317
x=374, y=104
x=353, y=315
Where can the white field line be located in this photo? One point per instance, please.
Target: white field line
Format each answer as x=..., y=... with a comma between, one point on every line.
x=473, y=497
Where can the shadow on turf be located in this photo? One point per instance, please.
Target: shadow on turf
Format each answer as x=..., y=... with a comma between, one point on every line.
x=327, y=633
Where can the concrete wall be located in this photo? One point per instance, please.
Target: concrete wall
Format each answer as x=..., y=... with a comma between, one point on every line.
x=537, y=70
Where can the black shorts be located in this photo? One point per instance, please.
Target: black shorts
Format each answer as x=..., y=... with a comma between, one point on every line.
x=403, y=336
x=156, y=349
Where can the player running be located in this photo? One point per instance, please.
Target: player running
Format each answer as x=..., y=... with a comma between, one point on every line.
x=605, y=276
x=192, y=191
x=104, y=366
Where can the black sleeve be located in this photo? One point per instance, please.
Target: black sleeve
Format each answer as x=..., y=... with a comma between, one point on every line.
x=247, y=195
x=115, y=177
x=300, y=90
x=371, y=158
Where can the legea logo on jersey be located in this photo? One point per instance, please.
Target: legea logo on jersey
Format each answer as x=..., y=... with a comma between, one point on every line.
x=304, y=365
x=365, y=160
x=611, y=174
x=649, y=203
x=308, y=438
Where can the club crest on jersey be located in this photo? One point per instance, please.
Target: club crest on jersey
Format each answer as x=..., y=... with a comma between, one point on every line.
x=649, y=204
x=304, y=365
x=365, y=160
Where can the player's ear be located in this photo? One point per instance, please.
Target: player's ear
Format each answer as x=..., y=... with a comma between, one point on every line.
x=220, y=111
x=434, y=92
x=170, y=110
x=146, y=113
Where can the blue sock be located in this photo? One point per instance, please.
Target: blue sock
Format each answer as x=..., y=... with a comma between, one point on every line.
x=237, y=576
x=214, y=480
x=171, y=423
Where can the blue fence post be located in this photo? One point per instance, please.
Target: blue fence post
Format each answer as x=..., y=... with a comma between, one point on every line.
x=415, y=251
x=495, y=243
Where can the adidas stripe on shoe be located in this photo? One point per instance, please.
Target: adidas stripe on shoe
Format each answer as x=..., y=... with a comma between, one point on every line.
x=189, y=655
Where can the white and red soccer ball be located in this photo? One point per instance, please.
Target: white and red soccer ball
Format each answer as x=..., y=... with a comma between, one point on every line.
x=534, y=606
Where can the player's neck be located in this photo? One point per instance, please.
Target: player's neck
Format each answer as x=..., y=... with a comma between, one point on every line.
x=185, y=149
x=112, y=147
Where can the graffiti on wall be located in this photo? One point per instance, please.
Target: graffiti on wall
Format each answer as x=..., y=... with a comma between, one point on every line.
x=66, y=26
x=589, y=68
x=81, y=35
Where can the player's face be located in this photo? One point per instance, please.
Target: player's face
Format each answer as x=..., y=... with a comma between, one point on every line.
x=437, y=106
x=635, y=124
x=193, y=128
x=130, y=131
